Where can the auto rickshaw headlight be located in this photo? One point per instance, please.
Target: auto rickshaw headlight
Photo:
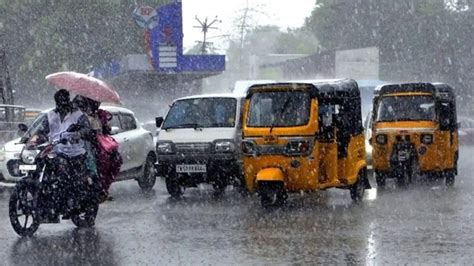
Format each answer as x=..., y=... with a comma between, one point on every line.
x=224, y=146
x=426, y=138
x=249, y=147
x=381, y=139
x=297, y=147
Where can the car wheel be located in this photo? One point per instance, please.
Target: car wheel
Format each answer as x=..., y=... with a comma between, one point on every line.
x=148, y=179
x=175, y=189
x=357, y=190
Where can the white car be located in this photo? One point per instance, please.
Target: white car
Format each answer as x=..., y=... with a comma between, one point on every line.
x=136, y=147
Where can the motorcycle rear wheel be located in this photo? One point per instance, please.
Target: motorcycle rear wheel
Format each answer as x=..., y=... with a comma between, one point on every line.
x=86, y=217
x=23, y=202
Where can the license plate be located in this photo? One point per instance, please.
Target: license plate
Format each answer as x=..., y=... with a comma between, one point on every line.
x=27, y=167
x=403, y=155
x=191, y=168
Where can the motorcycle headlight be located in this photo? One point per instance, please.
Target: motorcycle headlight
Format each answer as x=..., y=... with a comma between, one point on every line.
x=381, y=139
x=224, y=146
x=28, y=156
x=249, y=147
x=298, y=147
x=426, y=138
x=164, y=148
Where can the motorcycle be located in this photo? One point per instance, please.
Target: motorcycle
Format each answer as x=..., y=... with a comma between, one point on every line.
x=54, y=187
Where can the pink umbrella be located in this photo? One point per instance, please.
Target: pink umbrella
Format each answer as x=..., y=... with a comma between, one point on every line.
x=84, y=85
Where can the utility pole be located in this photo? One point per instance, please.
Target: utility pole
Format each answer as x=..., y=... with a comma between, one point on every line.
x=205, y=26
x=5, y=83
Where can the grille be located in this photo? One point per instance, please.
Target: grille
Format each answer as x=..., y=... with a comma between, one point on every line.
x=193, y=147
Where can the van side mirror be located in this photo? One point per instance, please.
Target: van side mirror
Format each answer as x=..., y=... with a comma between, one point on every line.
x=159, y=121
x=22, y=128
x=459, y=125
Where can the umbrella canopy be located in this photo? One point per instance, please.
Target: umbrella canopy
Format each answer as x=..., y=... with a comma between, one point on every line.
x=84, y=85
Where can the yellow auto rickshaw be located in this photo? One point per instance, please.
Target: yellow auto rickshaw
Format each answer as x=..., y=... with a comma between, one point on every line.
x=414, y=132
x=303, y=137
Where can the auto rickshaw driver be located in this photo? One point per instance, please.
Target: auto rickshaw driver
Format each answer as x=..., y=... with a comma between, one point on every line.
x=304, y=143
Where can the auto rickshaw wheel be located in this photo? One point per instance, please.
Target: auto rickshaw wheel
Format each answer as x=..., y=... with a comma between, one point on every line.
x=380, y=179
x=450, y=178
x=358, y=188
x=272, y=194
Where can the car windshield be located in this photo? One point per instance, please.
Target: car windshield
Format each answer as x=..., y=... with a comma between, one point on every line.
x=406, y=108
x=279, y=109
x=201, y=113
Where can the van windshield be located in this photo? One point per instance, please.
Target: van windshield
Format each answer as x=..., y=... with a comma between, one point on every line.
x=201, y=113
x=279, y=109
x=406, y=108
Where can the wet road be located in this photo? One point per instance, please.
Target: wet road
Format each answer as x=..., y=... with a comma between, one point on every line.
x=424, y=224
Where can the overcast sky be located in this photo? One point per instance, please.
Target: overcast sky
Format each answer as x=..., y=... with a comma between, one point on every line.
x=281, y=13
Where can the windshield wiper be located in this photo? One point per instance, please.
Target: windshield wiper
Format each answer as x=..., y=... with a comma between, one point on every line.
x=187, y=125
x=280, y=112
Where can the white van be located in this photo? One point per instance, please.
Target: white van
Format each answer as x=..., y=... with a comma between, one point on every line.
x=200, y=141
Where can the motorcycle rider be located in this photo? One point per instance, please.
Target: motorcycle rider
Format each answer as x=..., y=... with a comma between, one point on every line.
x=68, y=128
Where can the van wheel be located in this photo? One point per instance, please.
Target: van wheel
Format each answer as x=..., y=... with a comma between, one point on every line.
x=380, y=179
x=148, y=179
x=219, y=186
x=272, y=194
x=175, y=189
x=357, y=190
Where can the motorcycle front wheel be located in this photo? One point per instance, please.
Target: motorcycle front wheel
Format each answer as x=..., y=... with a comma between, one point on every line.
x=23, y=212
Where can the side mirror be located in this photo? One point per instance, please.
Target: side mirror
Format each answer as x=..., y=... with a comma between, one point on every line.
x=22, y=128
x=159, y=121
x=459, y=125
x=114, y=130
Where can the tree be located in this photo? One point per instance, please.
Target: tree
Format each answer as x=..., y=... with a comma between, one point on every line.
x=46, y=36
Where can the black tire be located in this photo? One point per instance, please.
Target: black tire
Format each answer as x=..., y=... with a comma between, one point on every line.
x=24, y=199
x=219, y=186
x=380, y=179
x=272, y=194
x=450, y=178
x=148, y=180
x=86, y=218
x=357, y=190
x=175, y=189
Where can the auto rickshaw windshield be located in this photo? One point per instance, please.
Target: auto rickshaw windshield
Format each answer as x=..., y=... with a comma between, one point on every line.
x=279, y=109
x=406, y=108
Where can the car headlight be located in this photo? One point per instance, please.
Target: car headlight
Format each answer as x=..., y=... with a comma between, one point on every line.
x=164, y=148
x=249, y=147
x=426, y=138
x=224, y=146
x=381, y=139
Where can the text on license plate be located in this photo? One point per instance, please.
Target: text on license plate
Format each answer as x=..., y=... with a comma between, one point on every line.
x=403, y=155
x=190, y=168
x=27, y=167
